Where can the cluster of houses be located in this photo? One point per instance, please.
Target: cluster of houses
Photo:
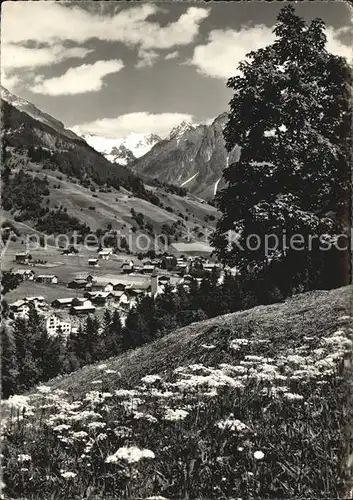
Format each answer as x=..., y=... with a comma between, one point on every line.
x=97, y=293
x=29, y=274
x=65, y=313
x=22, y=307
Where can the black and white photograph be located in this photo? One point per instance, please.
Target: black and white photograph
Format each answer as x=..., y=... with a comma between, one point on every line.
x=176, y=298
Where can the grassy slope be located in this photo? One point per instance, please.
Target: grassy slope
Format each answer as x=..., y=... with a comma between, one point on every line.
x=115, y=207
x=313, y=314
x=282, y=391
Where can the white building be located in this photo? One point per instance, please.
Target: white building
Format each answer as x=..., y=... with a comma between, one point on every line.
x=53, y=323
x=105, y=254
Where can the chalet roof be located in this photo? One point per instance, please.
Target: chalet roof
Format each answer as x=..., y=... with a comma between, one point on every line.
x=18, y=303
x=103, y=295
x=107, y=281
x=66, y=300
x=84, y=308
x=23, y=271
x=46, y=276
x=141, y=286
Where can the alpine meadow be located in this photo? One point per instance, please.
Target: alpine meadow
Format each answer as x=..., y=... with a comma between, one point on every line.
x=176, y=250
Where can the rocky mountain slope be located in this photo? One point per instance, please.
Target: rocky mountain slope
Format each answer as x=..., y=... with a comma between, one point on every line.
x=83, y=183
x=191, y=156
x=31, y=110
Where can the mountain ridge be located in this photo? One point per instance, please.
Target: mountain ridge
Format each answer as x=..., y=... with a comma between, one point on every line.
x=95, y=192
x=194, y=155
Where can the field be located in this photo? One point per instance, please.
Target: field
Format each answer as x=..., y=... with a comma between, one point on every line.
x=254, y=404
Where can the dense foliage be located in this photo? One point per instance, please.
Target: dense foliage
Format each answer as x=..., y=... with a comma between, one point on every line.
x=23, y=194
x=290, y=113
x=170, y=188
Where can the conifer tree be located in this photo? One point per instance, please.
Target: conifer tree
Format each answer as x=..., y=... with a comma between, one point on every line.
x=53, y=355
x=25, y=341
x=111, y=337
x=9, y=364
x=92, y=339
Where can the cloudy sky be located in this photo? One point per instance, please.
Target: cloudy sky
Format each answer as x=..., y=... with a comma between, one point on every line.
x=111, y=68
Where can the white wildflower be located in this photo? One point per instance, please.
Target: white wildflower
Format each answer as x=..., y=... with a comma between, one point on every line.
x=125, y=393
x=130, y=454
x=259, y=455
x=146, y=416
x=23, y=457
x=83, y=415
x=158, y=497
x=291, y=396
x=61, y=427
x=131, y=405
x=96, y=425
x=109, y=371
x=44, y=389
x=251, y=357
x=162, y=394
x=79, y=434
x=68, y=474
x=236, y=344
x=18, y=402
x=96, y=397
x=150, y=379
x=174, y=415
x=103, y=366
x=232, y=424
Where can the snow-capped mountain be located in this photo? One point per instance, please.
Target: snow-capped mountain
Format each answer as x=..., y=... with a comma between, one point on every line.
x=193, y=156
x=125, y=150
x=31, y=110
x=181, y=129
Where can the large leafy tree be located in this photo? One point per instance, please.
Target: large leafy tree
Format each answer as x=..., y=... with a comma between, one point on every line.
x=290, y=115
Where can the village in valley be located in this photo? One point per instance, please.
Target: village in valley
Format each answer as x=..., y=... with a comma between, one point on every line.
x=89, y=283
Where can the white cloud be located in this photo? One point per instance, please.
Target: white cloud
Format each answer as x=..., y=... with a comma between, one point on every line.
x=52, y=22
x=146, y=58
x=139, y=122
x=335, y=45
x=84, y=78
x=15, y=56
x=11, y=82
x=172, y=55
x=225, y=49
